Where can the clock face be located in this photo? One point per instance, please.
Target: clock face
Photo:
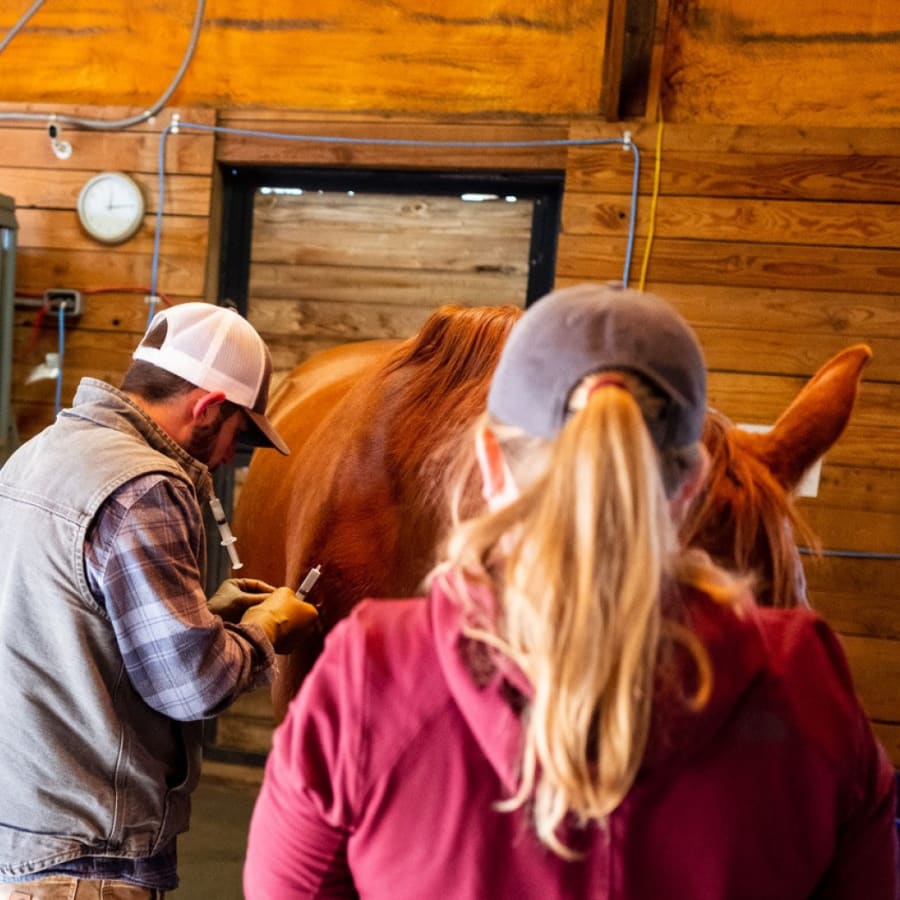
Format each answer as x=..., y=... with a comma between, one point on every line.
x=111, y=207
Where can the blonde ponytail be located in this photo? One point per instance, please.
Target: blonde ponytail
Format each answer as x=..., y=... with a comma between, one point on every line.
x=579, y=562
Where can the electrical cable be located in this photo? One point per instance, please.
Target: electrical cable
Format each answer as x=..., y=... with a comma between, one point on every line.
x=176, y=126
x=87, y=292
x=109, y=124
x=651, y=227
x=20, y=24
x=140, y=289
x=61, y=349
x=63, y=149
x=849, y=554
x=60, y=354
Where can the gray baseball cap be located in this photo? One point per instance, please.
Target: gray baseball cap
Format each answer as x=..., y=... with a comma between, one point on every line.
x=586, y=328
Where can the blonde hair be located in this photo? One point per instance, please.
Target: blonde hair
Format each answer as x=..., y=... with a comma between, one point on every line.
x=579, y=563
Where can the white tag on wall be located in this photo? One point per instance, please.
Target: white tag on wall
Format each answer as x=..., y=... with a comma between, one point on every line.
x=809, y=485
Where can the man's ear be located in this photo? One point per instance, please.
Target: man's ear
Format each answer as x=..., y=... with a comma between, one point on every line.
x=206, y=406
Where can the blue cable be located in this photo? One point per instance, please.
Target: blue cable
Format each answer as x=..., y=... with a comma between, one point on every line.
x=157, y=231
x=61, y=319
x=632, y=218
x=848, y=554
x=174, y=127
x=108, y=124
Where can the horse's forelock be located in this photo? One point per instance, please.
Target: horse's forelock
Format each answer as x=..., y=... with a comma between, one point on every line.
x=746, y=509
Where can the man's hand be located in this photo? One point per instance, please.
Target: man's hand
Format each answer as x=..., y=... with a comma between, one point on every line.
x=284, y=617
x=236, y=595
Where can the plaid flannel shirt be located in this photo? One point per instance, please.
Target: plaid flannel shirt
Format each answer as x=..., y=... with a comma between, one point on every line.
x=141, y=561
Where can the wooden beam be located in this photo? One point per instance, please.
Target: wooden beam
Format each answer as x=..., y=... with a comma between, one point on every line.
x=613, y=59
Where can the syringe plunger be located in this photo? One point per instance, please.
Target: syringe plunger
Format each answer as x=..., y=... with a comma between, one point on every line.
x=228, y=539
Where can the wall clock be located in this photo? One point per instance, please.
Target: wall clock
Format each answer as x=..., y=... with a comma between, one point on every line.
x=111, y=207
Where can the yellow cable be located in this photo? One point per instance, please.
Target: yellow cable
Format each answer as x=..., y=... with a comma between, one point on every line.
x=645, y=263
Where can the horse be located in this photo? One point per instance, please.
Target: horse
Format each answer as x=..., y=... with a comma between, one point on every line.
x=375, y=426
x=746, y=517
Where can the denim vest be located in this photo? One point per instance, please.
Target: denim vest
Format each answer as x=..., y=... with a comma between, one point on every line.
x=86, y=767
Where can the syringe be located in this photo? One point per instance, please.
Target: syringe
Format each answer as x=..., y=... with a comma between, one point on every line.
x=228, y=539
x=308, y=583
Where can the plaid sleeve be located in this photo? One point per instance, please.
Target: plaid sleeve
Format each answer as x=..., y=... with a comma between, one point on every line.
x=142, y=560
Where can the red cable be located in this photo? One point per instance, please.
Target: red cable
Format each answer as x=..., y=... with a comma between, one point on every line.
x=42, y=312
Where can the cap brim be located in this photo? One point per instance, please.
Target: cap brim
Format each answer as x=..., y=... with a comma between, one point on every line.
x=263, y=433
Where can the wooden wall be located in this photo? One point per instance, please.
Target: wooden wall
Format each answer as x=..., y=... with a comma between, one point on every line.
x=320, y=276
x=54, y=252
x=809, y=62
x=523, y=57
x=329, y=269
x=782, y=246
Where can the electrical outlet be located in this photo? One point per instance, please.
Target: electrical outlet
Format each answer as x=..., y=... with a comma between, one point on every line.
x=71, y=302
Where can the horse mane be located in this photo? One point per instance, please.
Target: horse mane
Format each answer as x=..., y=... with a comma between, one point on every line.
x=369, y=492
x=743, y=501
x=439, y=379
x=455, y=346
x=398, y=421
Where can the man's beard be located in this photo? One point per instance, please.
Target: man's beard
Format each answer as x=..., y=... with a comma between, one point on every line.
x=203, y=438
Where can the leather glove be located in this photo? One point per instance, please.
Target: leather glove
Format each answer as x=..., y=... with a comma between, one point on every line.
x=236, y=595
x=284, y=617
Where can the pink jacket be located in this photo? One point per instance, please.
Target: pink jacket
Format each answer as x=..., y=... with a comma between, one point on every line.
x=383, y=778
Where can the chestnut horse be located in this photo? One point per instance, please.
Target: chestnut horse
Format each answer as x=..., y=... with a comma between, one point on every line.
x=374, y=426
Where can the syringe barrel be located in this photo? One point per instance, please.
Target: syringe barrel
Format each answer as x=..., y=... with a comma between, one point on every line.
x=232, y=554
x=312, y=576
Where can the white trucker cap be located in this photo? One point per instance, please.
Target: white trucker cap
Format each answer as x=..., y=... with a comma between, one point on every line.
x=217, y=349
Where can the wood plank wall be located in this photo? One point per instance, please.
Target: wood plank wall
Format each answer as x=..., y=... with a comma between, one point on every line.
x=54, y=251
x=718, y=61
x=782, y=246
x=329, y=269
x=519, y=57
x=779, y=244
x=312, y=285
x=804, y=63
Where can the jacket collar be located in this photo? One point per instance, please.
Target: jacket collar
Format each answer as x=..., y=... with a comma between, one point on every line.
x=107, y=406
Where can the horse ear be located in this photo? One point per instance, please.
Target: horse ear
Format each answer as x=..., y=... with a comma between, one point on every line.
x=815, y=419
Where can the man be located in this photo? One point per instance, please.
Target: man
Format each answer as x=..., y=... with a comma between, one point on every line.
x=109, y=650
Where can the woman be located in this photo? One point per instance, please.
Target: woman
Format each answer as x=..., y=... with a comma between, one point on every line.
x=580, y=707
